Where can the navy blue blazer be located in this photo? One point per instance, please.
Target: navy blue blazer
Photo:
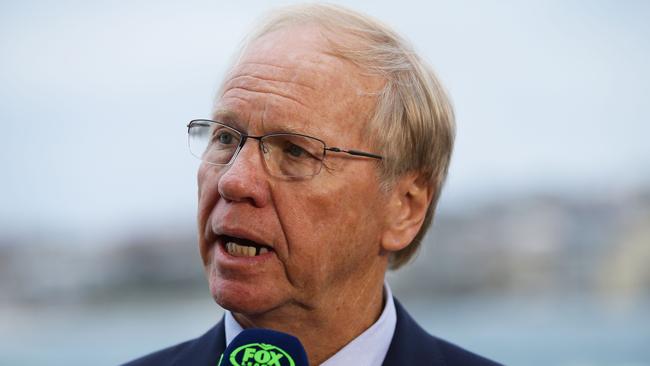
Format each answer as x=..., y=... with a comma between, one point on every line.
x=411, y=345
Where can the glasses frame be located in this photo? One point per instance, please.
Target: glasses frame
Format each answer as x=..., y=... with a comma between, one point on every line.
x=245, y=137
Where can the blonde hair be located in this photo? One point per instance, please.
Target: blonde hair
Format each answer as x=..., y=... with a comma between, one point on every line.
x=413, y=123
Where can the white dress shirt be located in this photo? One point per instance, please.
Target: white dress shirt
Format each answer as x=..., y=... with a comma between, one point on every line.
x=368, y=349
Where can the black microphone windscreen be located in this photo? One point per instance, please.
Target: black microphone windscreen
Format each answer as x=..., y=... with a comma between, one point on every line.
x=264, y=347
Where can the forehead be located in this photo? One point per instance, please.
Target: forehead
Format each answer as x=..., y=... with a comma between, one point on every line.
x=288, y=80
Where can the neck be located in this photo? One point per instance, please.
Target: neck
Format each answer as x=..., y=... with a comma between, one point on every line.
x=327, y=326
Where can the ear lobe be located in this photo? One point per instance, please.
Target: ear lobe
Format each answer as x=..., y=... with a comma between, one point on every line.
x=407, y=207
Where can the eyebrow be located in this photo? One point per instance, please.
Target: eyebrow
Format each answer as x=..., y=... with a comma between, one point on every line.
x=225, y=115
x=230, y=117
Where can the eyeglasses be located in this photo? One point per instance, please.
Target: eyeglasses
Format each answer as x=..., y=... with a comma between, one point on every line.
x=285, y=154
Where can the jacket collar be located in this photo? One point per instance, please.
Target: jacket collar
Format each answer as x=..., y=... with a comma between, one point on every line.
x=411, y=345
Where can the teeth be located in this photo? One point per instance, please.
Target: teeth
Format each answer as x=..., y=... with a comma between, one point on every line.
x=237, y=250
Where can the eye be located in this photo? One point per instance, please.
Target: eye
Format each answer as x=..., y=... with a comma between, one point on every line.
x=295, y=151
x=224, y=137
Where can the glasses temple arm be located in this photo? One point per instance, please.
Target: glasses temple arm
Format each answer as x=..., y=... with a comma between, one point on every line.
x=355, y=152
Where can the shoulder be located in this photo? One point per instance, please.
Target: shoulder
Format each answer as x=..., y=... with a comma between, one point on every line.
x=455, y=355
x=199, y=351
x=414, y=346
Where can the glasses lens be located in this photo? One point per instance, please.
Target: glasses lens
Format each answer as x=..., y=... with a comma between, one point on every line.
x=213, y=142
x=293, y=155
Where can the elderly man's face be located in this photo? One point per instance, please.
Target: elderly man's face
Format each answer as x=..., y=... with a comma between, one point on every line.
x=322, y=233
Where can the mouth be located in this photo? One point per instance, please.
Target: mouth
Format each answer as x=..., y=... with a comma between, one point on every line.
x=239, y=247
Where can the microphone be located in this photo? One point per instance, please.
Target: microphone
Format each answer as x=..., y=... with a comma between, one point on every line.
x=264, y=347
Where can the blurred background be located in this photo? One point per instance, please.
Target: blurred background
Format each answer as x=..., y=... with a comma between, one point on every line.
x=541, y=249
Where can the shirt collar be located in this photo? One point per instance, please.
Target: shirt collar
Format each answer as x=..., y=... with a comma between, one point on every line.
x=369, y=348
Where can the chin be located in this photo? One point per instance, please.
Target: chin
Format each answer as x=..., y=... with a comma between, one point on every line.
x=241, y=298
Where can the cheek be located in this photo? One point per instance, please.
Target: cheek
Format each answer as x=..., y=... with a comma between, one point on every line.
x=208, y=195
x=208, y=188
x=334, y=211
x=328, y=232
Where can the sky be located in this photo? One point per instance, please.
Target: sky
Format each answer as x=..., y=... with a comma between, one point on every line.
x=95, y=96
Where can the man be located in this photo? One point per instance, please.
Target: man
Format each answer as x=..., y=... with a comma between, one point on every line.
x=321, y=168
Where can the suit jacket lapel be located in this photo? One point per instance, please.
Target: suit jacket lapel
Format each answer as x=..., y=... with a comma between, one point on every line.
x=411, y=345
x=205, y=350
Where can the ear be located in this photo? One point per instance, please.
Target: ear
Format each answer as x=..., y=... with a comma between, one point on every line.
x=406, y=209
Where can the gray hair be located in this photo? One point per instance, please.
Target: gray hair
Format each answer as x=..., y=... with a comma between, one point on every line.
x=413, y=122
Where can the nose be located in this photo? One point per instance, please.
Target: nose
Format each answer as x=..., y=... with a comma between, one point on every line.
x=245, y=179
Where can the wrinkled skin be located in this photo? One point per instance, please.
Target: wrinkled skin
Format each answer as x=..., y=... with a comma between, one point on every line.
x=325, y=272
